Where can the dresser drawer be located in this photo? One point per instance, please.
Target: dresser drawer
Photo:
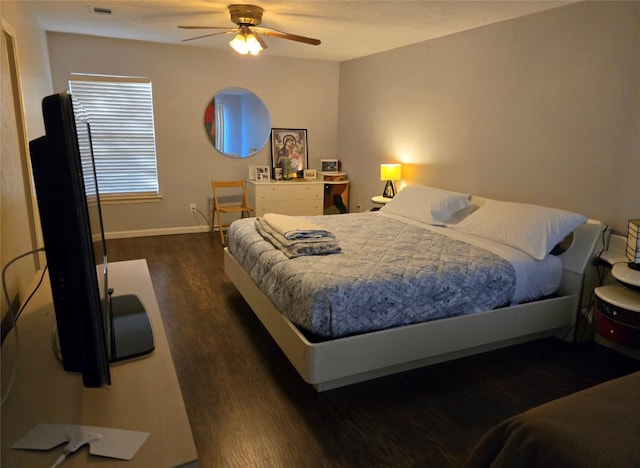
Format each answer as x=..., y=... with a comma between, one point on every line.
x=289, y=191
x=619, y=303
x=289, y=198
x=289, y=207
x=618, y=315
x=621, y=333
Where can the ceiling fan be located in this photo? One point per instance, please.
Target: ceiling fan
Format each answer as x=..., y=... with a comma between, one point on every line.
x=248, y=39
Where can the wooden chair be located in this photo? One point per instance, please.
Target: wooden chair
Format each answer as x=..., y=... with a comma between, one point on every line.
x=238, y=188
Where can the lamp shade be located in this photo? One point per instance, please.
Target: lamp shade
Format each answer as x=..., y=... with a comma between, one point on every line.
x=633, y=244
x=390, y=172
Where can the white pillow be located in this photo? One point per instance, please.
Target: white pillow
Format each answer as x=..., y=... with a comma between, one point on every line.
x=531, y=228
x=427, y=204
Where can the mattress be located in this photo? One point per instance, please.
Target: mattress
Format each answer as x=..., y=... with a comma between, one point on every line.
x=390, y=272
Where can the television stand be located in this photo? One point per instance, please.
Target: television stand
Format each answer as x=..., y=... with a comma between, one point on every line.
x=131, y=330
x=144, y=395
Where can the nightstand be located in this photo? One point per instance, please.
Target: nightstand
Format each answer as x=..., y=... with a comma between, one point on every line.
x=380, y=200
x=617, y=312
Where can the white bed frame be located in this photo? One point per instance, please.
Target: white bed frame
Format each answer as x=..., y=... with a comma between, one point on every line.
x=343, y=361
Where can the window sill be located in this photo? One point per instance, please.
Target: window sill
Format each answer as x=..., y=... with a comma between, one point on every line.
x=126, y=199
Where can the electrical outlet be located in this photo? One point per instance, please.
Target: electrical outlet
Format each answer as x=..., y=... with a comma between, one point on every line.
x=192, y=207
x=358, y=207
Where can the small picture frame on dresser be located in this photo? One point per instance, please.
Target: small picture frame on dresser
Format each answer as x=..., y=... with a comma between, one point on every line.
x=310, y=174
x=277, y=173
x=329, y=165
x=263, y=173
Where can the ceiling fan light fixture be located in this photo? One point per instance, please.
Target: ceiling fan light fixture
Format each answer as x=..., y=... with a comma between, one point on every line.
x=249, y=38
x=246, y=43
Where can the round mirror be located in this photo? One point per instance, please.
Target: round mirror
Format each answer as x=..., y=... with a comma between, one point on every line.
x=237, y=122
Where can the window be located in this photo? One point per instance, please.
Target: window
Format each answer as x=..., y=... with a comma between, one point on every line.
x=120, y=113
x=219, y=121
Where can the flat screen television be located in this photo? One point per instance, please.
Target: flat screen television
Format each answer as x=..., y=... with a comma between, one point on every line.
x=94, y=326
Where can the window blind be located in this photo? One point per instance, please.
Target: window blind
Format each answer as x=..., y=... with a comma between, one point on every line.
x=120, y=113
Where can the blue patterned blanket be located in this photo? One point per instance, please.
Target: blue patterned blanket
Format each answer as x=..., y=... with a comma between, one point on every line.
x=305, y=244
x=388, y=274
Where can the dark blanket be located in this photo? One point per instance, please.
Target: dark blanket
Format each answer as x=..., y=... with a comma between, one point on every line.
x=596, y=427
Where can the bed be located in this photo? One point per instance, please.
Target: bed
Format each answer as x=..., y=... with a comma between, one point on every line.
x=595, y=427
x=368, y=310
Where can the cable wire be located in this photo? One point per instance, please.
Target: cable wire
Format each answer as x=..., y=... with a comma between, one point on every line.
x=76, y=440
x=203, y=216
x=14, y=317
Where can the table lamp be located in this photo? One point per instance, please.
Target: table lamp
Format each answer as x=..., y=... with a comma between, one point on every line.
x=390, y=173
x=633, y=244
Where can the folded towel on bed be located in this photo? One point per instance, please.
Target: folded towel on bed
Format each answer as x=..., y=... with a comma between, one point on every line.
x=298, y=247
x=295, y=227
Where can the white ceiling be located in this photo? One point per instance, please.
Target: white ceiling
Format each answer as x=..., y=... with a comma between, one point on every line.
x=348, y=29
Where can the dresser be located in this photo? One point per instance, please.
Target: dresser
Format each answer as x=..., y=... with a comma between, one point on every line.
x=296, y=198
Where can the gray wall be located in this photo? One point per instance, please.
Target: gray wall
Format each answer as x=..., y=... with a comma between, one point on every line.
x=298, y=93
x=19, y=123
x=541, y=109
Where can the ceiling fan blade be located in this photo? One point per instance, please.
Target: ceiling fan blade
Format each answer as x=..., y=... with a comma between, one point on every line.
x=203, y=27
x=283, y=35
x=259, y=38
x=247, y=18
x=230, y=31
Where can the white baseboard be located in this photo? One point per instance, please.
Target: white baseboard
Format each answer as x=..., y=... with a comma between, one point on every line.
x=157, y=232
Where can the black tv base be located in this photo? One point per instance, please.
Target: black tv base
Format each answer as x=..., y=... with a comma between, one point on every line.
x=131, y=330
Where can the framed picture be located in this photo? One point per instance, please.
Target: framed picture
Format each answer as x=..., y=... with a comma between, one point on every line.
x=263, y=173
x=289, y=151
x=277, y=173
x=329, y=165
x=310, y=174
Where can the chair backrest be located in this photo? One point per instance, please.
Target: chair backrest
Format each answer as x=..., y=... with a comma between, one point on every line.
x=216, y=185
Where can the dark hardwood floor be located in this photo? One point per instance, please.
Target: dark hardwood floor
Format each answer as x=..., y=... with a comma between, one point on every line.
x=248, y=406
